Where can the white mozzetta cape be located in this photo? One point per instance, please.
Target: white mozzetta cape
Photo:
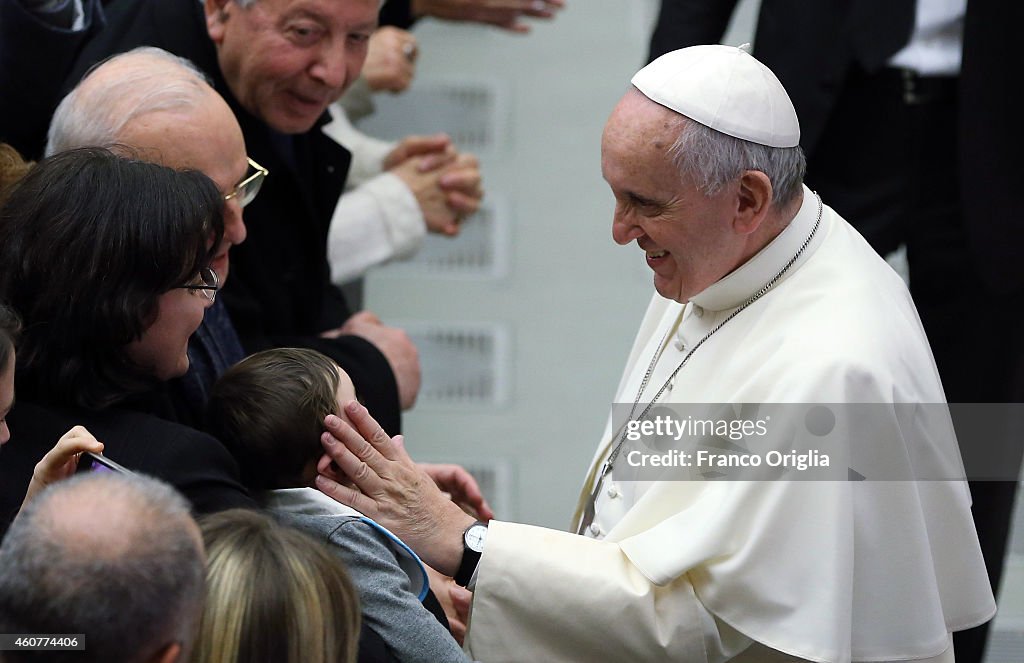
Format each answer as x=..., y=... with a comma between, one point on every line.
x=820, y=570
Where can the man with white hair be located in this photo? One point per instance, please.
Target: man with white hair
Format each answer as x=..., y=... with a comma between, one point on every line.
x=115, y=558
x=764, y=296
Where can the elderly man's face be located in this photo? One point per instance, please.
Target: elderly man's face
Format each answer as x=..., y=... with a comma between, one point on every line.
x=687, y=238
x=206, y=138
x=286, y=60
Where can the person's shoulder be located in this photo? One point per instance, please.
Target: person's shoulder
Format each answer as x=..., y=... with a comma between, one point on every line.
x=192, y=461
x=195, y=463
x=347, y=528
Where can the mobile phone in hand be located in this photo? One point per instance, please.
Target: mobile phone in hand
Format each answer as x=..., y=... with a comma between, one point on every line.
x=90, y=462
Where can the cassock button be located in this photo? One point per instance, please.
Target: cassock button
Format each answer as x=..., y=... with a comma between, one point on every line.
x=698, y=311
x=595, y=529
x=678, y=344
x=613, y=491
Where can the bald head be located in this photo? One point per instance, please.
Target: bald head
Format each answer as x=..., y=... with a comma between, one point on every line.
x=120, y=90
x=161, y=107
x=117, y=558
x=82, y=517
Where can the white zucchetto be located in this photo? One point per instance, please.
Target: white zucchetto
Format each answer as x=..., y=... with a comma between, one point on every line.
x=725, y=88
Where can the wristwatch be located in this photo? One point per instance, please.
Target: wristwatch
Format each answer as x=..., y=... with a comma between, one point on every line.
x=472, y=547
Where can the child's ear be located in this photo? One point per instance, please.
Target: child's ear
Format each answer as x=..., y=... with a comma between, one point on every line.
x=329, y=469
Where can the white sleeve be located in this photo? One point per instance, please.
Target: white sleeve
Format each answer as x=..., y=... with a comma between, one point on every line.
x=544, y=595
x=376, y=222
x=368, y=153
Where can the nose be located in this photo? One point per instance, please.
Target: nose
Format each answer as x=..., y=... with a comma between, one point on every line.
x=331, y=67
x=623, y=230
x=234, y=225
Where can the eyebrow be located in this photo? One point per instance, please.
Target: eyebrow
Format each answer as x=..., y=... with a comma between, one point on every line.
x=643, y=200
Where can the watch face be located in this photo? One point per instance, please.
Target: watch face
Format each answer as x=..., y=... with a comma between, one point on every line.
x=475, y=536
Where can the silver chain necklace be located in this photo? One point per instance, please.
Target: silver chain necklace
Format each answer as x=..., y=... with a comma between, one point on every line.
x=606, y=468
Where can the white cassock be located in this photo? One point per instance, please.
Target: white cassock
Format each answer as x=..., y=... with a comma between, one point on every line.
x=758, y=570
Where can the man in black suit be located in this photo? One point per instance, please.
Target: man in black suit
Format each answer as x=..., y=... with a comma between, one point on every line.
x=906, y=121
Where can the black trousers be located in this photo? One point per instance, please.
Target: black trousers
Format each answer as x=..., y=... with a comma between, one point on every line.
x=888, y=163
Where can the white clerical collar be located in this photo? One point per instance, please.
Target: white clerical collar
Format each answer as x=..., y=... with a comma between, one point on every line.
x=738, y=286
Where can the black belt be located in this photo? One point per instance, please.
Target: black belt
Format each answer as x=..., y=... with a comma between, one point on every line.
x=915, y=89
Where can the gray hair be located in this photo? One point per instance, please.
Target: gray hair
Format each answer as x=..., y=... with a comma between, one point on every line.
x=114, y=557
x=713, y=159
x=95, y=115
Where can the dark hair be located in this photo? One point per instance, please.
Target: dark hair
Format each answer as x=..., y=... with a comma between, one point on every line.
x=10, y=328
x=113, y=556
x=269, y=409
x=89, y=240
x=273, y=594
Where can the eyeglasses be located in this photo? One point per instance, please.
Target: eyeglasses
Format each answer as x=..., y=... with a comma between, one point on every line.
x=206, y=283
x=247, y=189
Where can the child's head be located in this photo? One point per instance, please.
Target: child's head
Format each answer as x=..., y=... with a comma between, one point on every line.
x=269, y=411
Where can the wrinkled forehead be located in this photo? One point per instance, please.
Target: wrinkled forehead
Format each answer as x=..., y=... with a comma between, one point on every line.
x=206, y=138
x=639, y=133
x=639, y=120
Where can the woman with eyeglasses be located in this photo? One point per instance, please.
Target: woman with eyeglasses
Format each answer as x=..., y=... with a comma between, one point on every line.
x=107, y=261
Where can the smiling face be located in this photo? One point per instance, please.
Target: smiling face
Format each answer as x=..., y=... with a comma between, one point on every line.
x=162, y=350
x=688, y=238
x=286, y=60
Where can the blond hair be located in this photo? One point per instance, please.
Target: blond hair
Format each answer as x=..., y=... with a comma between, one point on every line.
x=274, y=594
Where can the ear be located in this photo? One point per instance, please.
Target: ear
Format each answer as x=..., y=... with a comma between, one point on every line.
x=169, y=654
x=754, y=198
x=216, y=18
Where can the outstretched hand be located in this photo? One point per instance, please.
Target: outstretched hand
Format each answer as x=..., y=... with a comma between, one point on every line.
x=389, y=487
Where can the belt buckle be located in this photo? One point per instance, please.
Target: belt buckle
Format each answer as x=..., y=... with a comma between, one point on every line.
x=909, y=87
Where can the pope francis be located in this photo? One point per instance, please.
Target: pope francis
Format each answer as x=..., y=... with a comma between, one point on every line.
x=764, y=295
